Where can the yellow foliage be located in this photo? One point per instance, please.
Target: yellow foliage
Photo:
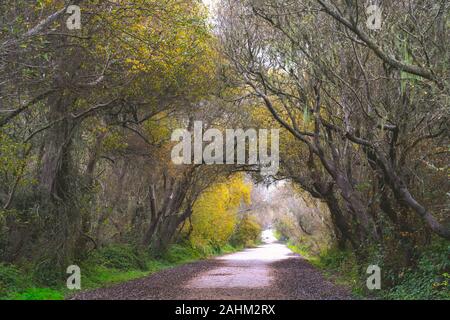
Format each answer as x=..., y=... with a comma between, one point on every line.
x=168, y=44
x=215, y=213
x=248, y=231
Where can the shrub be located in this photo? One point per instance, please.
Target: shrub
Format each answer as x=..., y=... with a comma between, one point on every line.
x=214, y=215
x=48, y=272
x=248, y=232
x=120, y=257
x=11, y=280
x=428, y=280
x=179, y=253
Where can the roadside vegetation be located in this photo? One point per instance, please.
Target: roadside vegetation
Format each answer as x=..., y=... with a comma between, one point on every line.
x=105, y=267
x=427, y=280
x=86, y=118
x=87, y=175
x=115, y=263
x=364, y=134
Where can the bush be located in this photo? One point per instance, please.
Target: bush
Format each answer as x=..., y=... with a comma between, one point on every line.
x=48, y=272
x=341, y=262
x=112, y=264
x=11, y=280
x=179, y=253
x=120, y=257
x=428, y=280
x=248, y=232
x=214, y=217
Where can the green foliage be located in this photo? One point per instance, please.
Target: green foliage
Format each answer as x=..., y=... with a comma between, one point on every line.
x=3, y=233
x=46, y=272
x=228, y=248
x=343, y=266
x=340, y=266
x=11, y=280
x=302, y=250
x=38, y=294
x=17, y=284
x=428, y=280
x=162, y=57
x=286, y=229
x=182, y=253
x=99, y=276
x=120, y=257
x=335, y=260
x=109, y=265
x=96, y=274
x=11, y=155
x=248, y=232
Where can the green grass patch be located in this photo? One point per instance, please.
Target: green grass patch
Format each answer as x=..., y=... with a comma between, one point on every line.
x=37, y=294
x=100, y=276
x=103, y=268
x=12, y=279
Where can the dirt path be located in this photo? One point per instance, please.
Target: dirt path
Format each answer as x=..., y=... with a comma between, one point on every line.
x=271, y=272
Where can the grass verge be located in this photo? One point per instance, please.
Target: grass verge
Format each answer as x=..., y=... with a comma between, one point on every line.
x=103, y=268
x=428, y=279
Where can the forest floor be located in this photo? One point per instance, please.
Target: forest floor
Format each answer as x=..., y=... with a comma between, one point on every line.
x=268, y=272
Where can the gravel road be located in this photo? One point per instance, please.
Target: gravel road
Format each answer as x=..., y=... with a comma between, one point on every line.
x=268, y=272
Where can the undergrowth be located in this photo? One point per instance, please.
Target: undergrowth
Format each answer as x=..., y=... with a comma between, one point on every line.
x=428, y=279
x=104, y=267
